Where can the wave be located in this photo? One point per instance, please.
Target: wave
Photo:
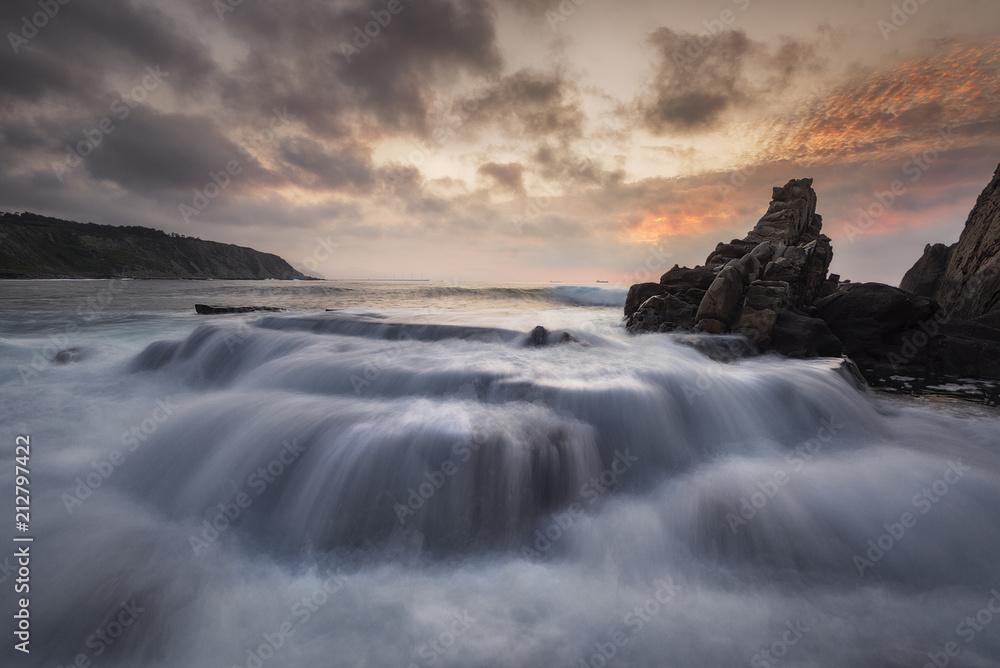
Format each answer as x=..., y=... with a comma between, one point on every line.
x=411, y=479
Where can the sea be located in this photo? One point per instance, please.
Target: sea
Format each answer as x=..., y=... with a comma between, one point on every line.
x=389, y=474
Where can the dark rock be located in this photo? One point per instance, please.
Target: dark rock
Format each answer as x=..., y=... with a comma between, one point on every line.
x=970, y=286
x=924, y=277
x=639, y=293
x=724, y=295
x=539, y=336
x=871, y=319
x=205, y=309
x=662, y=313
x=725, y=348
x=798, y=335
x=70, y=355
x=699, y=277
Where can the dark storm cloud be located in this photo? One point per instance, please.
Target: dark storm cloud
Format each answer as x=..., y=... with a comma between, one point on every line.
x=74, y=52
x=699, y=78
x=152, y=152
x=509, y=176
x=317, y=59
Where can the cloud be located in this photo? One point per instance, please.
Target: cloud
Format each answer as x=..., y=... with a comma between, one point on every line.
x=700, y=78
x=895, y=110
x=528, y=103
x=509, y=176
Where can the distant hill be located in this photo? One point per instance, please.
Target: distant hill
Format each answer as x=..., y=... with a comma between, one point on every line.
x=33, y=246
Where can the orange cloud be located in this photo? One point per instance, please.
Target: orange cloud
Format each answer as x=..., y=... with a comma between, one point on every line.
x=688, y=212
x=893, y=111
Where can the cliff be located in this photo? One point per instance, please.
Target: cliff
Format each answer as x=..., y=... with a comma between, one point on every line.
x=967, y=274
x=33, y=246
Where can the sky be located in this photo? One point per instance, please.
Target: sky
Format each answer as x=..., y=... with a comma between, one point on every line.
x=502, y=140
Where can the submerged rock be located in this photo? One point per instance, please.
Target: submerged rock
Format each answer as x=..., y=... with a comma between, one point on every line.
x=206, y=309
x=540, y=336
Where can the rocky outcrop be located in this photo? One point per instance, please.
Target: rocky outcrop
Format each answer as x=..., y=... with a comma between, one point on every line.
x=747, y=284
x=924, y=277
x=970, y=286
x=890, y=332
x=771, y=288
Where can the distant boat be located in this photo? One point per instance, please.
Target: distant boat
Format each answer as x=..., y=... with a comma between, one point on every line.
x=602, y=281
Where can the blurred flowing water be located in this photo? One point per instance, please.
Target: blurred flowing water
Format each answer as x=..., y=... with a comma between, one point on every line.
x=401, y=481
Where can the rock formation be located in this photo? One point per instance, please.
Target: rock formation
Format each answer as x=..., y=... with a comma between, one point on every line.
x=772, y=288
x=747, y=285
x=969, y=285
x=924, y=278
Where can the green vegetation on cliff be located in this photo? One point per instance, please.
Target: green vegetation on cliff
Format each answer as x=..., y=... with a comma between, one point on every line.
x=33, y=246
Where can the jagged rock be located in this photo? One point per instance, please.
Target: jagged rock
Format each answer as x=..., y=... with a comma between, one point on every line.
x=789, y=215
x=924, y=277
x=970, y=286
x=206, y=309
x=785, y=247
x=639, y=293
x=662, y=313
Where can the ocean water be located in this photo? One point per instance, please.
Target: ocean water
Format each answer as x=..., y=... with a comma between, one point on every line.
x=401, y=481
